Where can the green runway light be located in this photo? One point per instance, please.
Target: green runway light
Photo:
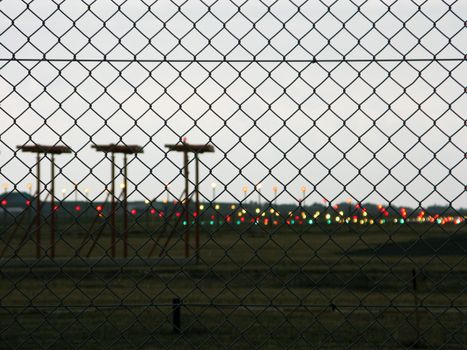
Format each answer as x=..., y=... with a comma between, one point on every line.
x=310, y=222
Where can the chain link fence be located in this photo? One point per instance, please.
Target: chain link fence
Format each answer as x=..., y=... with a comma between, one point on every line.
x=233, y=174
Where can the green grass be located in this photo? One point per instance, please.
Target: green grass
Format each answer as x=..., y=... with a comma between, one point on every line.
x=298, y=288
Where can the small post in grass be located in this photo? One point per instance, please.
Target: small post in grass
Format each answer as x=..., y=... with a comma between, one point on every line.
x=176, y=315
x=417, y=316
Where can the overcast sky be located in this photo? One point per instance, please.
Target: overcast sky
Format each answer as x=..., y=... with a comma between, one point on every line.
x=344, y=125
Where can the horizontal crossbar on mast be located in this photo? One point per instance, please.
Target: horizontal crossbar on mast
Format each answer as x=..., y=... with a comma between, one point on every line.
x=113, y=148
x=193, y=148
x=52, y=149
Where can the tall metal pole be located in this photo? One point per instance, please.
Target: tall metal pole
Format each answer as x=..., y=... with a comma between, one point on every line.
x=52, y=207
x=113, y=207
x=258, y=188
x=187, y=206
x=197, y=227
x=125, y=205
x=38, y=208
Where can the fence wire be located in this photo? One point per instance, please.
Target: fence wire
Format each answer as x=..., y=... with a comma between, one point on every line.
x=232, y=174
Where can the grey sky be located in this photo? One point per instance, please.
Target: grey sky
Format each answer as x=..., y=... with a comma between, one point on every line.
x=278, y=123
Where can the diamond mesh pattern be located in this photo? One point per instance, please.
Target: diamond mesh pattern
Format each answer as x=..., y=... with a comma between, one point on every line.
x=330, y=214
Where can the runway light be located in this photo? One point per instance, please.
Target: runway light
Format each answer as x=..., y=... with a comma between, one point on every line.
x=133, y=211
x=153, y=211
x=4, y=202
x=201, y=207
x=99, y=208
x=77, y=208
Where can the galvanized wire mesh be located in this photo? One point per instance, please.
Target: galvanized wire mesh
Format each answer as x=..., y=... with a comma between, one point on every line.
x=228, y=174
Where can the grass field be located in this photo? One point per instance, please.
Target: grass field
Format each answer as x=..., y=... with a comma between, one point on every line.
x=327, y=286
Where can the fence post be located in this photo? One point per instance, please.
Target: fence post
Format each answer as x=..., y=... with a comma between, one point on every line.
x=176, y=315
x=415, y=296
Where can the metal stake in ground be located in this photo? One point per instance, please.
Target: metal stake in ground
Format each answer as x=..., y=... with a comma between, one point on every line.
x=125, y=150
x=52, y=150
x=196, y=149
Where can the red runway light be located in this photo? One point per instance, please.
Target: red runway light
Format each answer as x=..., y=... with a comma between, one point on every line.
x=28, y=202
x=153, y=211
x=133, y=211
x=78, y=208
x=4, y=202
x=99, y=208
